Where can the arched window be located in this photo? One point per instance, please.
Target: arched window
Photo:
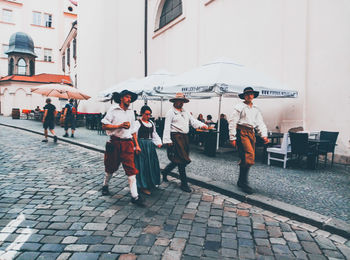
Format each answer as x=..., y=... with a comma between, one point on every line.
x=21, y=67
x=171, y=10
x=32, y=68
x=11, y=67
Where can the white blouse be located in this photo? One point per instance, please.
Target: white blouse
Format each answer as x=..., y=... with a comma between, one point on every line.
x=155, y=137
x=247, y=116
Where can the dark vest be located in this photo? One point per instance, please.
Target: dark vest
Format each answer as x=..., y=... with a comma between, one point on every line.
x=144, y=131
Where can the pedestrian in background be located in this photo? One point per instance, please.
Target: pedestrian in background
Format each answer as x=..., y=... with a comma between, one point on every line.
x=69, y=114
x=49, y=120
x=119, y=124
x=245, y=121
x=147, y=161
x=175, y=136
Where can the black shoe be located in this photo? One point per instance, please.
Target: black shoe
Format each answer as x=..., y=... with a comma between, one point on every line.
x=186, y=188
x=44, y=141
x=105, y=191
x=65, y=135
x=138, y=201
x=55, y=139
x=245, y=188
x=72, y=135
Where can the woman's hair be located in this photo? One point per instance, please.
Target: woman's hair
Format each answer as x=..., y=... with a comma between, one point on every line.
x=144, y=109
x=209, y=117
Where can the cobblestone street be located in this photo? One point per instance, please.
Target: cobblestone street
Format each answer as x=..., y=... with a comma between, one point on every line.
x=51, y=208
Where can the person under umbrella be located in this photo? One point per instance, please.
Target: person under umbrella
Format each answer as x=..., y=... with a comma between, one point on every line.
x=119, y=125
x=147, y=161
x=175, y=136
x=245, y=120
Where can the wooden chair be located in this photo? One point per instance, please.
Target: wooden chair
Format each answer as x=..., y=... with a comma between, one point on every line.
x=284, y=149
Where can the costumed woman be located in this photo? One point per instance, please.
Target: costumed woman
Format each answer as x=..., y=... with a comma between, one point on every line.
x=147, y=161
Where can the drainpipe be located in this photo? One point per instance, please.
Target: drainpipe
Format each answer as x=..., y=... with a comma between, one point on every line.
x=146, y=23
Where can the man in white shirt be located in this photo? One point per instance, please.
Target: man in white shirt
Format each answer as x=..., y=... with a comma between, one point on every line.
x=246, y=117
x=119, y=125
x=175, y=136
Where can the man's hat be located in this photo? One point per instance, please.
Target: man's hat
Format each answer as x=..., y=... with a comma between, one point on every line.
x=179, y=96
x=117, y=96
x=248, y=90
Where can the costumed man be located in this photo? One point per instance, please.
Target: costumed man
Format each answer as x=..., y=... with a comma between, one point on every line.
x=175, y=136
x=246, y=118
x=119, y=125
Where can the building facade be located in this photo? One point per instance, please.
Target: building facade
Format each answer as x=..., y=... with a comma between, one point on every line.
x=32, y=33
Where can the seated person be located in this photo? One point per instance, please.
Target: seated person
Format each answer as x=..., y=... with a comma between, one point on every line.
x=209, y=121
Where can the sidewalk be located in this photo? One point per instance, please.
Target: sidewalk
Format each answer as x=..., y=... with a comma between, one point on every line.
x=323, y=192
x=51, y=208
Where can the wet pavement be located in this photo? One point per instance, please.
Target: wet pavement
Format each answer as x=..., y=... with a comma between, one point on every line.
x=51, y=208
x=324, y=190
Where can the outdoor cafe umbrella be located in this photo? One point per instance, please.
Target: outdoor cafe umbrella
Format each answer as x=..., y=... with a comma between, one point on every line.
x=60, y=91
x=224, y=77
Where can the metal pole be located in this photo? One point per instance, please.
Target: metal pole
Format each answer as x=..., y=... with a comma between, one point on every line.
x=146, y=22
x=218, y=135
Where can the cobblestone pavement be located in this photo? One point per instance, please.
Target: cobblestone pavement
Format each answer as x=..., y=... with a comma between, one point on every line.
x=325, y=190
x=51, y=208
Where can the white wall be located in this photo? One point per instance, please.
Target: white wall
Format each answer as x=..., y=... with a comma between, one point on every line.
x=304, y=44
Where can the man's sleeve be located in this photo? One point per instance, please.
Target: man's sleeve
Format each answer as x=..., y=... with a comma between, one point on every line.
x=260, y=124
x=233, y=124
x=107, y=120
x=166, y=132
x=195, y=123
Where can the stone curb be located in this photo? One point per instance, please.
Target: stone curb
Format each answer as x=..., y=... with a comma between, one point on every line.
x=332, y=225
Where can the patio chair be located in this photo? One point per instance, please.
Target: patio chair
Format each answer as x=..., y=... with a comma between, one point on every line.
x=301, y=147
x=284, y=149
x=325, y=148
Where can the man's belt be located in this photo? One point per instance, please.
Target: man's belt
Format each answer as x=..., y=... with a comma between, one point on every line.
x=115, y=138
x=244, y=127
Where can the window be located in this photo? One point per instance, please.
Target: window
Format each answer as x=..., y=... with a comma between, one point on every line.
x=47, y=55
x=21, y=67
x=5, y=47
x=36, y=18
x=171, y=10
x=48, y=20
x=37, y=51
x=75, y=48
x=7, y=15
x=32, y=68
x=11, y=67
x=64, y=62
x=68, y=56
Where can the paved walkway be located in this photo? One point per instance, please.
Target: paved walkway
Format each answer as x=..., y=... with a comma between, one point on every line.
x=51, y=208
x=325, y=190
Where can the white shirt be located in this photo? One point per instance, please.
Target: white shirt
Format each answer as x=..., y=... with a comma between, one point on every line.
x=116, y=116
x=247, y=116
x=155, y=137
x=178, y=122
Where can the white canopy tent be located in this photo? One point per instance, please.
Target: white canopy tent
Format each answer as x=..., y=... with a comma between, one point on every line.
x=144, y=87
x=223, y=77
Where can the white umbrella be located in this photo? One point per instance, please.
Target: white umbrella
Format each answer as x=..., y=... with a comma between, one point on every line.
x=60, y=91
x=223, y=77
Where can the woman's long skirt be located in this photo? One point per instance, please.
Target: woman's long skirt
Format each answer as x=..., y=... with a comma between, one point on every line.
x=148, y=165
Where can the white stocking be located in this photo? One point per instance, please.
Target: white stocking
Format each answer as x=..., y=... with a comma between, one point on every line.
x=133, y=186
x=108, y=176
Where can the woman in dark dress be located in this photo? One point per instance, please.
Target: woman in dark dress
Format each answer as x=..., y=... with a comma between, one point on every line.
x=147, y=161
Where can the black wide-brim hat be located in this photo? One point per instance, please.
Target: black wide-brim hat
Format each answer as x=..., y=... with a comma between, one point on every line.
x=248, y=90
x=117, y=96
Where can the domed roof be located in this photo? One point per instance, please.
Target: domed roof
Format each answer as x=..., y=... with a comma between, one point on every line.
x=21, y=43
